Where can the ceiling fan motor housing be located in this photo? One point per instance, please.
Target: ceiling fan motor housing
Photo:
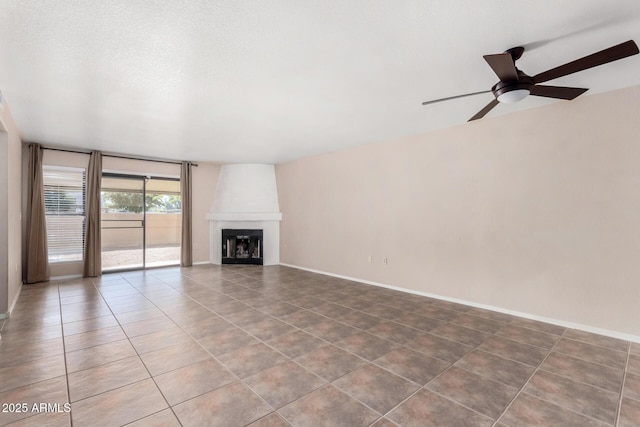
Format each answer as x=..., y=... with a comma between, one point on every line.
x=523, y=85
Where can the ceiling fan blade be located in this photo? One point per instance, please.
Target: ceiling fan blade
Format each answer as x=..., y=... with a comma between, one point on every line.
x=454, y=97
x=502, y=64
x=559, y=92
x=480, y=114
x=611, y=54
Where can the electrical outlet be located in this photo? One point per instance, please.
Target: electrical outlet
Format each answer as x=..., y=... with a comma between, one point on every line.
x=385, y=260
x=370, y=259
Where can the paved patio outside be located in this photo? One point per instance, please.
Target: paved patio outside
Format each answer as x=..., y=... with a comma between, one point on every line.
x=127, y=258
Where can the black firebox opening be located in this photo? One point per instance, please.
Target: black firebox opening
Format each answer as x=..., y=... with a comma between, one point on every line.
x=242, y=246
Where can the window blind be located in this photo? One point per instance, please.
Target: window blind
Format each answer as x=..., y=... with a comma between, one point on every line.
x=64, y=201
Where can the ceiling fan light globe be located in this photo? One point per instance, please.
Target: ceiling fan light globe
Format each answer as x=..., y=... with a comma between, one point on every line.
x=513, y=96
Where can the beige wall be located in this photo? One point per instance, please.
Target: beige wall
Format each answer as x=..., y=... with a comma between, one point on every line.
x=10, y=211
x=204, y=182
x=536, y=212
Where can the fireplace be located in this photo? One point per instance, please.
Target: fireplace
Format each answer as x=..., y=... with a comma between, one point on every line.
x=242, y=246
x=245, y=201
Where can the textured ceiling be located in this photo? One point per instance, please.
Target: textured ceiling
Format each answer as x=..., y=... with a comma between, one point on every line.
x=270, y=81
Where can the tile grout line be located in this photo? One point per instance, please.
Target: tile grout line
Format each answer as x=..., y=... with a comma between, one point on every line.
x=574, y=356
x=270, y=413
x=578, y=381
x=573, y=411
x=238, y=379
x=327, y=383
x=45, y=357
x=624, y=379
x=327, y=342
x=330, y=343
x=3, y=322
x=275, y=410
x=372, y=362
x=452, y=364
x=539, y=368
x=64, y=352
x=139, y=358
x=354, y=354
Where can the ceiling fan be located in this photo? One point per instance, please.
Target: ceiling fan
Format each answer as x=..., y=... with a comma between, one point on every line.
x=514, y=85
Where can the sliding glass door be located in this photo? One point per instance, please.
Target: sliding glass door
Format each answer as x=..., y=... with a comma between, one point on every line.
x=141, y=222
x=122, y=222
x=163, y=225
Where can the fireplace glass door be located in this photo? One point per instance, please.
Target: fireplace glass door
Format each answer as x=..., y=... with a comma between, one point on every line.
x=242, y=247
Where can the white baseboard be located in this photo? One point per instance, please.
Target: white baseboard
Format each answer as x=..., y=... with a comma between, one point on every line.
x=201, y=263
x=12, y=305
x=15, y=300
x=571, y=325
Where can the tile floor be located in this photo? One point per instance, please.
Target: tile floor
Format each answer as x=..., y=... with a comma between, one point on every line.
x=275, y=346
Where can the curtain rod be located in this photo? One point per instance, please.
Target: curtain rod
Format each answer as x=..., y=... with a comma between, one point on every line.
x=173, y=162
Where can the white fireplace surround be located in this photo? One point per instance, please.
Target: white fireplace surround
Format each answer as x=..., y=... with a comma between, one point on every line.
x=246, y=197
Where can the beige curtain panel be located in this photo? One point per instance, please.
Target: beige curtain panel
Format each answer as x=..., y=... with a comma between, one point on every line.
x=92, y=242
x=37, y=255
x=186, y=254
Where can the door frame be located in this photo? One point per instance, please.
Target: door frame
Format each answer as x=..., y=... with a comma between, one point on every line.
x=144, y=179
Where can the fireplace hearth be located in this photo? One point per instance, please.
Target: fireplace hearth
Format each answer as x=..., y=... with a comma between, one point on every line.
x=242, y=247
